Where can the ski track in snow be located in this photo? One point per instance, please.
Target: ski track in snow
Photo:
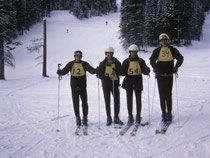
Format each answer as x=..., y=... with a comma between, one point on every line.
x=28, y=107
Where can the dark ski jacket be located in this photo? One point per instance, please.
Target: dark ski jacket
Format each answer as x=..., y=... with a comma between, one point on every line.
x=166, y=68
x=134, y=82
x=106, y=81
x=77, y=82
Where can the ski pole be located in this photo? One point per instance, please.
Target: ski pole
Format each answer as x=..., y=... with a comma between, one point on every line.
x=176, y=76
x=148, y=101
x=153, y=95
x=98, y=104
x=113, y=91
x=59, y=78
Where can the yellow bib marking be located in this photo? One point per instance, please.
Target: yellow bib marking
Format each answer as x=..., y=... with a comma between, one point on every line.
x=109, y=72
x=77, y=70
x=165, y=54
x=134, y=68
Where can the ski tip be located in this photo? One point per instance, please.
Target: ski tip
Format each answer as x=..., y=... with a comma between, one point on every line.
x=57, y=130
x=132, y=134
x=85, y=133
x=157, y=131
x=76, y=133
x=121, y=133
x=163, y=132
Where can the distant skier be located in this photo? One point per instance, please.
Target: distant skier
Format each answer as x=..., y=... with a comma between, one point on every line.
x=162, y=61
x=110, y=67
x=67, y=30
x=133, y=68
x=106, y=22
x=78, y=70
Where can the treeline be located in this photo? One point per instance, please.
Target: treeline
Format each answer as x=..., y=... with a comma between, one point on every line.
x=143, y=21
x=17, y=16
x=86, y=8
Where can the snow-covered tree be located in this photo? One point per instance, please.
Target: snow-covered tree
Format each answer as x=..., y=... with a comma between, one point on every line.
x=132, y=22
x=7, y=33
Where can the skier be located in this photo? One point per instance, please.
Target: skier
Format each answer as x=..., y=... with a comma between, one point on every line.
x=162, y=61
x=108, y=71
x=133, y=67
x=78, y=69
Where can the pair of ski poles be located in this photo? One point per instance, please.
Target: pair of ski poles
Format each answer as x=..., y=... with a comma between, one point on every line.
x=175, y=76
x=113, y=74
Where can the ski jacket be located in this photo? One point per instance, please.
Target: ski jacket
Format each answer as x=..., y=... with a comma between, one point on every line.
x=77, y=82
x=166, y=68
x=134, y=82
x=105, y=78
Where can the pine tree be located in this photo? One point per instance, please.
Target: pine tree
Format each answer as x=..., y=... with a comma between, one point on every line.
x=7, y=33
x=132, y=22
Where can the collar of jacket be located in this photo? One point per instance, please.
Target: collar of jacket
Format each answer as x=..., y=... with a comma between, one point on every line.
x=133, y=59
x=78, y=62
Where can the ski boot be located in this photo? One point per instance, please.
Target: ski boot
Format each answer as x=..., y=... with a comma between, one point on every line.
x=138, y=119
x=168, y=117
x=78, y=121
x=164, y=117
x=109, y=121
x=130, y=120
x=84, y=120
x=118, y=121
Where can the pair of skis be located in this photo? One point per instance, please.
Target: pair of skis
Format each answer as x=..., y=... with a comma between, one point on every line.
x=134, y=130
x=78, y=130
x=163, y=127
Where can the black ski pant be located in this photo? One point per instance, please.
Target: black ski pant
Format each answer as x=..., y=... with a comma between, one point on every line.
x=130, y=102
x=165, y=85
x=107, y=91
x=82, y=93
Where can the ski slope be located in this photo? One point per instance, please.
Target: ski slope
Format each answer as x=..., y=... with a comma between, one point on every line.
x=28, y=102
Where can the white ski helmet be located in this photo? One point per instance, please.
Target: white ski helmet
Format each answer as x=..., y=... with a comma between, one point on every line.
x=133, y=48
x=163, y=36
x=109, y=49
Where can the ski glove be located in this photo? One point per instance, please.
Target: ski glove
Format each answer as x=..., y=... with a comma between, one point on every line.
x=59, y=72
x=154, y=70
x=175, y=70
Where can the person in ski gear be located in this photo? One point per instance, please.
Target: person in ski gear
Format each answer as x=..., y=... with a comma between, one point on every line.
x=78, y=69
x=108, y=71
x=133, y=67
x=162, y=62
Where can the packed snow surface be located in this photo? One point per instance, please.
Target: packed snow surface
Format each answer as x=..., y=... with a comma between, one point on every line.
x=29, y=102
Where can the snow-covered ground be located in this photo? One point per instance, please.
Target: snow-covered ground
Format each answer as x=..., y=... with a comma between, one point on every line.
x=28, y=102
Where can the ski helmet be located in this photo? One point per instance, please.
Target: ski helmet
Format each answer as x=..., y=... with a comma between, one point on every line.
x=163, y=36
x=133, y=48
x=109, y=49
x=78, y=53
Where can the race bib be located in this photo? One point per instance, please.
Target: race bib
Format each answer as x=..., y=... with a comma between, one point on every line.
x=134, y=68
x=77, y=70
x=165, y=54
x=110, y=73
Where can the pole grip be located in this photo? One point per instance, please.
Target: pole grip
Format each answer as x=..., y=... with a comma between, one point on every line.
x=59, y=76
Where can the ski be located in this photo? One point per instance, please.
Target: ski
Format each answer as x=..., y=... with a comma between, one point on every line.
x=135, y=129
x=125, y=129
x=77, y=131
x=163, y=127
x=85, y=130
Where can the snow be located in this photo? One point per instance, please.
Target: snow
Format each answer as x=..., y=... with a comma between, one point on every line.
x=28, y=102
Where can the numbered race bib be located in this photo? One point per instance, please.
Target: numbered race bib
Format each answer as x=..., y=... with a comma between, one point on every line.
x=165, y=54
x=77, y=70
x=134, y=68
x=109, y=72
